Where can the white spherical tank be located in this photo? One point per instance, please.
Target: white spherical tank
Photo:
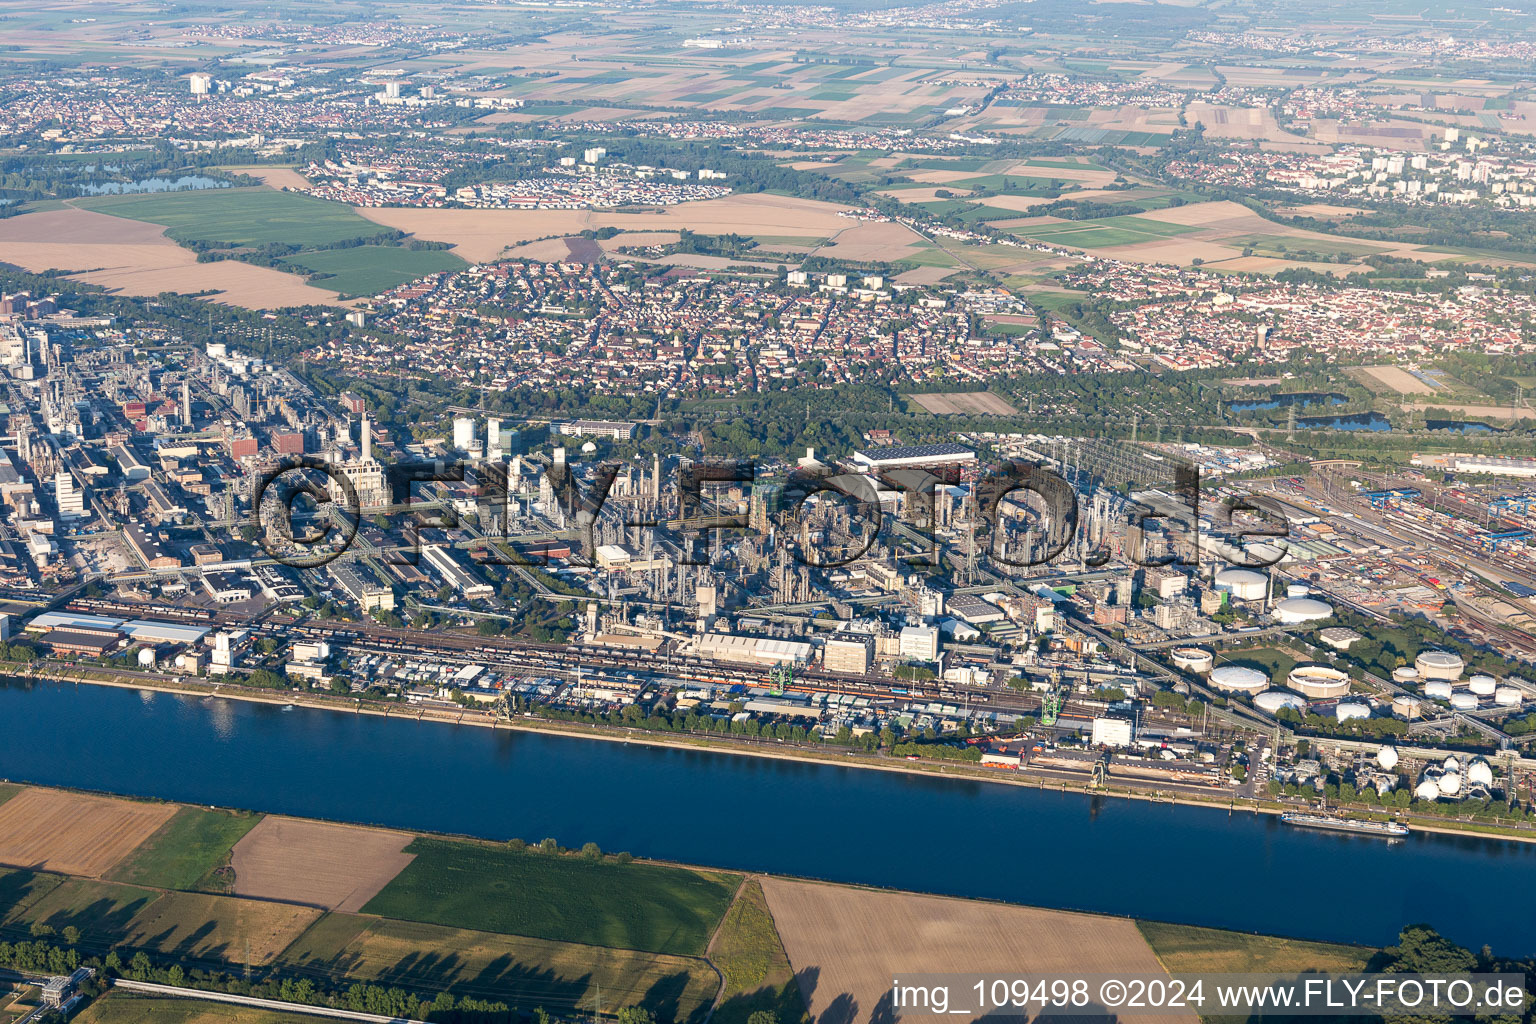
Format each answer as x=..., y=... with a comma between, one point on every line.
x=1427, y=790
x=1274, y=700
x=1483, y=686
x=1243, y=584
x=1238, y=679
x=1449, y=784
x=1464, y=701
x=1387, y=758
x=1479, y=773
x=1320, y=682
x=1451, y=763
x=1437, y=689
x=1439, y=665
x=1192, y=659
x=1294, y=610
x=1507, y=697
x=1405, y=674
x=146, y=657
x=1346, y=710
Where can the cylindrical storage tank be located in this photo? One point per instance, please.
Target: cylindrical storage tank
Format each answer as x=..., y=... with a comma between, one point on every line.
x=1405, y=674
x=1238, y=679
x=1387, y=758
x=1439, y=665
x=1449, y=783
x=1320, y=682
x=1427, y=790
x=1405, y=706
x=1483, y=686
x=1437, y=689
x=1243, y=584
x=1297, y=590
x=1294, y=610
x=1507, y=697
x=1464, y=701
x=1192, y=659
x=1273, y=700
x=146, y=657
x=1348, y=709
x=1479, y=773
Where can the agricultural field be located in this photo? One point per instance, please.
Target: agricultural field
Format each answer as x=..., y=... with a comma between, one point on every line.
x=565, y=898
x=239, y=216
x=72, y=833
x=128, y=1008
x=1102, y=233
x=188, y=851
x=750, y=955
x=336, y=867
x=1184, y=949
x=510, y=968
x=370, y=269
x=217, y=927
x=846, y=944
x=101, y=910
x=964, y=403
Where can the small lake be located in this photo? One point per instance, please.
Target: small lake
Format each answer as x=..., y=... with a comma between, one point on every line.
x=1296, y=398
x=1352, y=421
x=185, y=183
x=1461, y=427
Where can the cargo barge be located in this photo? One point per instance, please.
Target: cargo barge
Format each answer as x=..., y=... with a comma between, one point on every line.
x=1390, y=829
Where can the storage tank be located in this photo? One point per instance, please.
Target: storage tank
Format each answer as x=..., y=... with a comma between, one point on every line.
x=1405, y=706
x=1192, y=659
x=1480, y=774
x=1297, y=590
x=1387, y=757
x=1405, y=674
x=1439, y=665
x=1243, y=584
x=146, y=657
x=1238, y=679
x=1449, y=784
x=1427, y=790
x=1461, y=700
x=1451, y=763
x=1320, y=682
x=1437, y=689
x=1483, y=686
x=1273, y=700
x=1346, y=710
x=1295, y=610
x=1507, y=697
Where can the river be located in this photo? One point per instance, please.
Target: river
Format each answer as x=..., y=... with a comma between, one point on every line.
x=962, y=837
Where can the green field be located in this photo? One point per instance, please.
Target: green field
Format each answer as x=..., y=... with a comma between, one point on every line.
x=1184, y=949
x=748, y=952
x=370, y=269
x=126, y=1008
x=1105, y=232
x=101, y=910
x=188, y=850
x=565, y=898
x=241, y=216
x=559, y=976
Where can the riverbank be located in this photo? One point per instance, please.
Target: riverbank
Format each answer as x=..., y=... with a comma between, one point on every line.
x=1043, y=779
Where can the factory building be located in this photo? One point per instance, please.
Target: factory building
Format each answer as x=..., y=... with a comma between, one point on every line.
x=455, y=575
x=851, y=656
x=907, y=456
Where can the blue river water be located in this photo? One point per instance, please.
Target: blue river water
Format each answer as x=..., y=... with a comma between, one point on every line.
x=966, y=838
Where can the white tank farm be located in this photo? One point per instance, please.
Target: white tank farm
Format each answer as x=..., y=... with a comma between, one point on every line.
x=1461, y=700
x=1480, y=774
x=1449, y=784
x=1349, y=709
x=1318, y=681
x=1243, y=584
x=1427, y=790
x=1387, y=757
x=1294, y=610
x=1439, y=665
x=1405, y=707
x=1507, y=697
x=1192, y=659
x=1273, y=700
x=1405, y=674
x=1437, y=689
x=1483, y=686
x=1238, y=679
